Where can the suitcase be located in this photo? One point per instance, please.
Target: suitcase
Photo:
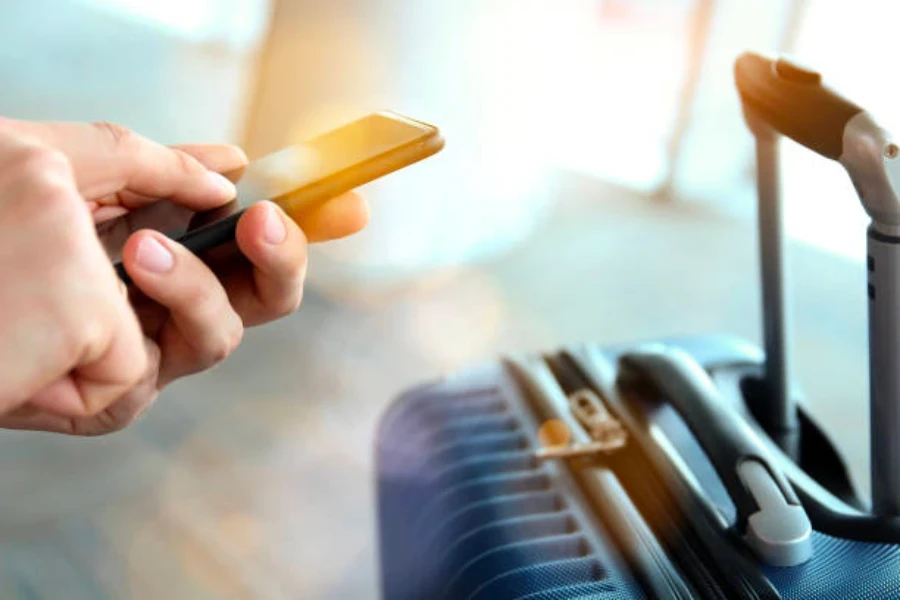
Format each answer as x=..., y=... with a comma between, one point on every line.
x=673, y=468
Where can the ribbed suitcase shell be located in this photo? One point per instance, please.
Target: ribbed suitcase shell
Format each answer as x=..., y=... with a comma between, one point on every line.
x=465, y=511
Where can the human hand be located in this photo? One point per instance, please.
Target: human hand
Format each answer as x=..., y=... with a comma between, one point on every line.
x=190, y=318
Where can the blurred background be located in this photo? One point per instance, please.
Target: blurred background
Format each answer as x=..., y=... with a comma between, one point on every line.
x=597, y=184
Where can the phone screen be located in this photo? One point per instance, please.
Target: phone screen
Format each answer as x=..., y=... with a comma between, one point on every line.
x=297, y=177
x=285, y=171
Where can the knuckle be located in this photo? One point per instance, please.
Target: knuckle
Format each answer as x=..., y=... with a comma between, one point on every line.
x=70, y=347
x=103, y=426
x=216, y=329
x=47, y=176
x=202, y=300
x=83, y=334
x=286, y=297
x=137, y=372
x=118, y=136
x=221, y=346
x=41, y=166
x=104, y=422
x=289, y=303
x=113, y=425
x=120, y=415
x=187, y=163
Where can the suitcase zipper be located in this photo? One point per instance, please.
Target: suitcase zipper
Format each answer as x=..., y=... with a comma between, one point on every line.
x=683, y=520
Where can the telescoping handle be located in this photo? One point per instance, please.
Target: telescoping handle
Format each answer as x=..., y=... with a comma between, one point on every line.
x=793, y=101
x=782, y=97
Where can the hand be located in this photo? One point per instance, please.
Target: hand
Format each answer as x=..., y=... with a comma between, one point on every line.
x=190, y=318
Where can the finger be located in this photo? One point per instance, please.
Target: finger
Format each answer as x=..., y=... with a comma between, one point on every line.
x=203, y=328
x=103, y=213
x=276, y=249
x=221, y=158
x=33, y=418
x=337, y=218
x=126, y=202
x=108, y=158
x=227, y=160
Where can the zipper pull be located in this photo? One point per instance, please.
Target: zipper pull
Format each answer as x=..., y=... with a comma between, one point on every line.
x=606, y=433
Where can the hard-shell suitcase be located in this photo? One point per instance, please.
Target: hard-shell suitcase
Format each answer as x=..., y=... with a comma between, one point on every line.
x=677, y=468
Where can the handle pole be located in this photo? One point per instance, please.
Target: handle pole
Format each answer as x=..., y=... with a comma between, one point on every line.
x=779, y=414
x=884, y=387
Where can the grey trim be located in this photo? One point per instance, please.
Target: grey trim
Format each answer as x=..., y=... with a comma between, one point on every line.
x=870, y=157
x=884, y=387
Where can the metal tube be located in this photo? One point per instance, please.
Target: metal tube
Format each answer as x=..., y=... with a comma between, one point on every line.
x=779, y=412
x=884, y=371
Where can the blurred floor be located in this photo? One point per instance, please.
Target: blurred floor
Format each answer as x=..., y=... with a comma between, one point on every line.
x=255, y=480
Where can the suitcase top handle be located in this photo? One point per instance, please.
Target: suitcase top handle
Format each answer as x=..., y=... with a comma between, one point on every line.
x=782, y=97
x=769, y=514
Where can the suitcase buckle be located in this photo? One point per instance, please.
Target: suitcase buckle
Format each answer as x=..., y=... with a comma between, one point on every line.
x=606, y=433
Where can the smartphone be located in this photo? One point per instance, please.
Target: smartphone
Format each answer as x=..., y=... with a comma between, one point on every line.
x=302, y=177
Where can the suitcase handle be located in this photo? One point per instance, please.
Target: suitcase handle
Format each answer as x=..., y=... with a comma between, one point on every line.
x=769, y=514
x=779, y=96
x=792, y=100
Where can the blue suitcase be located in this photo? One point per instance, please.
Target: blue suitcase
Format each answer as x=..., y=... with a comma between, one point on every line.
x=677, y=468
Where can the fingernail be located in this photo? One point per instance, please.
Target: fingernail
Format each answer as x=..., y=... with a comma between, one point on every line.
x=221, y=183
x=153, y=256
x=273, y=227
